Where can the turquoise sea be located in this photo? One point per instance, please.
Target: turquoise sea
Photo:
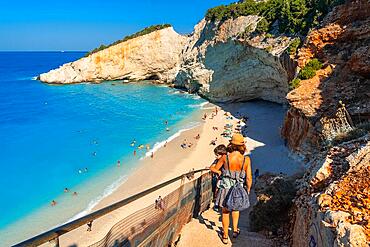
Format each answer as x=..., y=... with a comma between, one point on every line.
x=56, y=137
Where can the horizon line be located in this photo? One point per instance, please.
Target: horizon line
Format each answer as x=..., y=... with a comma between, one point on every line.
x=42, y=51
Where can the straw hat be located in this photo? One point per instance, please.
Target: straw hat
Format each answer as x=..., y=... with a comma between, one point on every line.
x=237, y=139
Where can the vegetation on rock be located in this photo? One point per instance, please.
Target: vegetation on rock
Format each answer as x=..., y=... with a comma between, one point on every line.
x=310, y=69
x=262, y=26
x=292, y=16
x=293, y=84
x=350, y=135
x=275, y=195
x=145, y=31
x=292, y=49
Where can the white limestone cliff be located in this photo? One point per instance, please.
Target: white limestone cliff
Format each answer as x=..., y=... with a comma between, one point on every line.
x=226, y=61
x=222, y=61
x=151, y=56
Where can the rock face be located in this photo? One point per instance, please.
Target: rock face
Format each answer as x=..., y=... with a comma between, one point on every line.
x=151, y=56
x=332, y=208
x=325, y=122
x=224, y=62
x=342, y=43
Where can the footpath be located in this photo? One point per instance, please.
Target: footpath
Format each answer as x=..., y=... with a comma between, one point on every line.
x=204, y=231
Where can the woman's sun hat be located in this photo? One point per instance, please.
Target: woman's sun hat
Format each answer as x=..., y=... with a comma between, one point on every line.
x=237, y=139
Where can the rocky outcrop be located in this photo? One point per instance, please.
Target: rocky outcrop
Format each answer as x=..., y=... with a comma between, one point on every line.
x=327, y=122
x=151, y=56
x=222, y=61
x=332, y=208
x=225, y=61
x=342, y=43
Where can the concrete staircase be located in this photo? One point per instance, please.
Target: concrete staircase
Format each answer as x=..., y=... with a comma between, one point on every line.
x=204, y=231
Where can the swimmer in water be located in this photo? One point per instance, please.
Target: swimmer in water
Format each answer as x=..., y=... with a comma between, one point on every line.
x=134, y=152
x=118, y=163
x=53, y=203
x=74, y=193
x=66, y=190
x=86, y=169
x=94, y=154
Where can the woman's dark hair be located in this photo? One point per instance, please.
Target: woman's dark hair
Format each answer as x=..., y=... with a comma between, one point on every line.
x=240, y=148
x=220, y=150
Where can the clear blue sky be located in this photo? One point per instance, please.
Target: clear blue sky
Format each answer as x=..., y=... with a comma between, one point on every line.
x=85, y=24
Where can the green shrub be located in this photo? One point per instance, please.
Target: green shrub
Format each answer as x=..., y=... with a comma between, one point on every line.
x=350, y=135
x=263, y=26
x=294, y=83
x=293, y=46
x=269, y=35
x=309, y=71
x=315, y=64
x=145, y=31
x=294, y=16
x=268, y=48
x=274, y=202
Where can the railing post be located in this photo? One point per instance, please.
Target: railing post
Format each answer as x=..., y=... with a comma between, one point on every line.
x=55, y=242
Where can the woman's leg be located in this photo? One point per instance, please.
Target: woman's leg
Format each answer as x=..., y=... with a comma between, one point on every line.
x=235, y=217
x=225, y=221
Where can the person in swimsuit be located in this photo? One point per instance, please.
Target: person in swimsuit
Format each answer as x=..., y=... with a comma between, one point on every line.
x=236, y=168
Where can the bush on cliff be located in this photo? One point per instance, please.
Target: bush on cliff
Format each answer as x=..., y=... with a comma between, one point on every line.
x=275, y=195
x=263, y=26
x=292, y=49
x=293, y=16
x=309, y=71
x=294, y=83
x=350, y=135
x=145, y=31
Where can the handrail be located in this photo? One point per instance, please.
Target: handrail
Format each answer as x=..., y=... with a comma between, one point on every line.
x=53, y=234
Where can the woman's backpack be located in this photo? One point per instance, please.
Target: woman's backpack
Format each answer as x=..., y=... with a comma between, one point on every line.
x=237, y=199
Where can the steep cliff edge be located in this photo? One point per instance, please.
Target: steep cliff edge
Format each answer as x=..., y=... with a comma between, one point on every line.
x=225, y=61
x=221, y=60
x=151, y=56
x=329, y=122
x=342, y=44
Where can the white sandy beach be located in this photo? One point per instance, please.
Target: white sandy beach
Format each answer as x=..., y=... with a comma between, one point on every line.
x=266, y=148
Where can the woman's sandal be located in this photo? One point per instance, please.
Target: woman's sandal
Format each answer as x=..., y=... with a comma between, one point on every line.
x=236, y=233
x=225, y=240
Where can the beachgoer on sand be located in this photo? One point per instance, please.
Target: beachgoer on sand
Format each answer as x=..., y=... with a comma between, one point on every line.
x=236, y=171
x=219, y=151
x=152, y=155
x=74, y=193
x=197, y=137
x=159, y=203
x=213, y=142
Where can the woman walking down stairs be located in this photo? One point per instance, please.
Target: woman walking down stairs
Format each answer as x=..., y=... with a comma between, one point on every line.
x=204, y=231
